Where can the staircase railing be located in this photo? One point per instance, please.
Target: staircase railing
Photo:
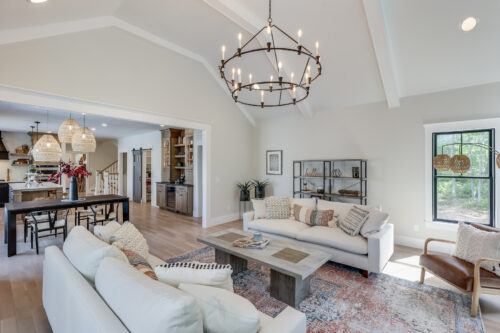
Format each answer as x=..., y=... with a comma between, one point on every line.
x=106, y=181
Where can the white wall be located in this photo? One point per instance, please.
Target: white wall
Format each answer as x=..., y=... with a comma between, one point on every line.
x=116, y=68
x=393, y=142
x=13, y=140
x=145, y=141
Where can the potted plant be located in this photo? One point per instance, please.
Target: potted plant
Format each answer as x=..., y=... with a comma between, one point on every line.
x=245, y=190
x=73, y=171
x=260, y=188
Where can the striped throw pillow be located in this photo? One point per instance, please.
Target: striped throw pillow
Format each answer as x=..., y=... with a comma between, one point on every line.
x=312, y=216
x=354, y=220
x=141, y=264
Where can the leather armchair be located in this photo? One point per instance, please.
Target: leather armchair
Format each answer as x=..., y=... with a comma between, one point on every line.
x=469, y=278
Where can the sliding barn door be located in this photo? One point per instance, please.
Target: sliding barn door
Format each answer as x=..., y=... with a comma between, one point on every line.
x=137, y=197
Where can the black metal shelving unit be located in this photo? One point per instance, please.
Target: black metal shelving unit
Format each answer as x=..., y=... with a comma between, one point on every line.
x=329, y=179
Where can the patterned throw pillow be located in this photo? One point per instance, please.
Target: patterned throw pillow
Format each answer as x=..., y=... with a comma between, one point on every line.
x=312, y=216
x=208, y=274
x=473, y=244
x=277, y=208
x=140, y=263
x=354, y=220
x=129, y=238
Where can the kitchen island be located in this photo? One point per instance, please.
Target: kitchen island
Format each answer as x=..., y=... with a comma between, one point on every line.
x=20, y=192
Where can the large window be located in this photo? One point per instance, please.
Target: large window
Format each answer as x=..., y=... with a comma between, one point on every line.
x=468, y=197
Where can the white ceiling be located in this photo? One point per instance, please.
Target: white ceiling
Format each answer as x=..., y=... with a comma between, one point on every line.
x=417, y=44
x=19, y=118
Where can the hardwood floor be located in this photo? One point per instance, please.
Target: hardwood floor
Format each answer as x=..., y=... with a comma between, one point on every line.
x=168, y=235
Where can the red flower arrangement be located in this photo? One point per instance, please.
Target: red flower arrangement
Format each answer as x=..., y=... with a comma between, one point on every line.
x=71, y=170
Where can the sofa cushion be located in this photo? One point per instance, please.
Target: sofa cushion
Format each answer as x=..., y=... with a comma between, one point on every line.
x=457, y=271
x=223, y=311
x=288, y=228
x=104, y=232
x=143, y=304
x=334, y=237
x=85, y=251
x=374, y=223
x=277, y=208
x=354, y=220
x=209, y=274
x=304, y=202
x=259, y=208
x=311, y=216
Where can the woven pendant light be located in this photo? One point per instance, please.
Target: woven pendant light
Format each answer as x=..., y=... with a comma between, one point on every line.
x=498, y=161
x=441, y=162
x=47, y=149
x=83, y=140
x=67, y=129
x=460, y=164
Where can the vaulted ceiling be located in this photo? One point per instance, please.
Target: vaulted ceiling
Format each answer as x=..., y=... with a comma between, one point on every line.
x=372, y=50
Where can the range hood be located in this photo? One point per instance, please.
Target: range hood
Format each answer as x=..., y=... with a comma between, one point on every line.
x=4, y=154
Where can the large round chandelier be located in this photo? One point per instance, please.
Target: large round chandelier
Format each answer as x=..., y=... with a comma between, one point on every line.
x=271, y=91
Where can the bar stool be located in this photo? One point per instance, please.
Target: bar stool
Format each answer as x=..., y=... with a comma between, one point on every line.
x=36, y=226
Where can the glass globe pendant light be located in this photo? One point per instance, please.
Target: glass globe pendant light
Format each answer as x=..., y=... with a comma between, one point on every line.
x=83, y=139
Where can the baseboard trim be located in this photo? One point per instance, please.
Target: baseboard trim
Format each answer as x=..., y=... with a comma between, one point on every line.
x=419, y=243
x=223, y=219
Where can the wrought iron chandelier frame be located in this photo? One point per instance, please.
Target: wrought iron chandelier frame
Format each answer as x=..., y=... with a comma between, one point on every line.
x=270, y=86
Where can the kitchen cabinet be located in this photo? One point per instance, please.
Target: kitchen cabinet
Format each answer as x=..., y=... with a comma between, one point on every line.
x=184, y=200
x=161, y=198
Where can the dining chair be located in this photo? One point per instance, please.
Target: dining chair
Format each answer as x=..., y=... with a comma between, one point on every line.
x=107, y=215
x=81, y=214
x=52, y=225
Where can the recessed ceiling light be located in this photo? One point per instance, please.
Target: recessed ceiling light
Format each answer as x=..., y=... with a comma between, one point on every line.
x=83, y=113
x=50, y=132
x=162, y=125
x=37, y=1
x=104, y=125
x=93, y=128
x=469, y=24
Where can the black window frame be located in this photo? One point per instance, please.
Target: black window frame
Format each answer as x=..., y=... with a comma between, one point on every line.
x=490, y=177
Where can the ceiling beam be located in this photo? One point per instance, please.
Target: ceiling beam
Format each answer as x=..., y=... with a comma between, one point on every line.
x=376, y=23
x=251, y=24
x=62, y=28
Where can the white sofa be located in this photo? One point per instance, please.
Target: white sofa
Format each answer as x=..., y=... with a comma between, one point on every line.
x=74, y=305
x=369, y=253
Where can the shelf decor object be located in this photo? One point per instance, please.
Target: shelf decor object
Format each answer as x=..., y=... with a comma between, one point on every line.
x=67, y=130
x=273, y=90
x=330, y=180
x=459, y=163
x=83, y=139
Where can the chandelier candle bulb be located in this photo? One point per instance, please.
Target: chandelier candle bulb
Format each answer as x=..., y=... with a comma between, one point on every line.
x=317, y=49
x=239, y=40
x=232, y=76
x=262, y=98
x=239, y=75
x=271, y=83
x=250, y=81
x=291, y=78
x=223, y=53
x=299, y=40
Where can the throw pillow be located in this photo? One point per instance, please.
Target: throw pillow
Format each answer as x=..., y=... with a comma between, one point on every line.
x=277, y=208
x=129, y=238
x=223, y=311
x=259, y=209
x=374, y=223
x=334, y=223
x=140, y=263
x=85, y=251
x=213, y=274
x=304, y=202
x=312, y=216
x=105, y=232
x=354, y=220
x=473, y=244
x=143, y=304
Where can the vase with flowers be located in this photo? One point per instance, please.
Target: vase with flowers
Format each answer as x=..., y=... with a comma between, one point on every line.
x=73, y=172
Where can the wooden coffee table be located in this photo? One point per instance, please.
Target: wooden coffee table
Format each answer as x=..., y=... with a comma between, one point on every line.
x=291, y=265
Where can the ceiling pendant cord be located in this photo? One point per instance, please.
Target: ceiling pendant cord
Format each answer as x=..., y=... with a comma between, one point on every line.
x=269, y=19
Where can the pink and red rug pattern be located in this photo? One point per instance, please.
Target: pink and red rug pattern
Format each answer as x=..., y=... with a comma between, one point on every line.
x=342, y=300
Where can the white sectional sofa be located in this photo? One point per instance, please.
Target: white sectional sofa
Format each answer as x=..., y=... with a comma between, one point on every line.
x=74, y=304
x=370, y=253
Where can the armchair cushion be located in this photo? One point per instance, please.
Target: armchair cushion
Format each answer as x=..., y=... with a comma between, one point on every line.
x=457, y=271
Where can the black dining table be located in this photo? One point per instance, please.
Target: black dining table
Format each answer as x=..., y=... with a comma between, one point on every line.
x=14, y=208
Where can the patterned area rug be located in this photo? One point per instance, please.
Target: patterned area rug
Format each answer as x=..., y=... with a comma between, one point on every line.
x=342, y=300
